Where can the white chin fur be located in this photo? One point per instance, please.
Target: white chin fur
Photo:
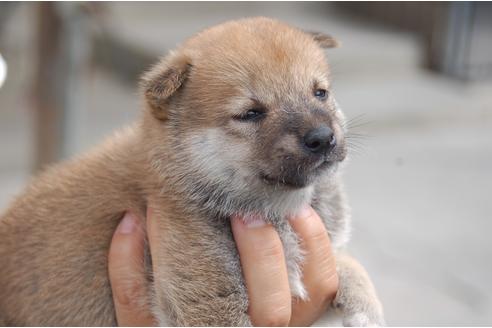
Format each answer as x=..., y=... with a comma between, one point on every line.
x=221, y=180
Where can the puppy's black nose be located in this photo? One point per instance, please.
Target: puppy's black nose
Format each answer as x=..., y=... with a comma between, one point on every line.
x=320, y=140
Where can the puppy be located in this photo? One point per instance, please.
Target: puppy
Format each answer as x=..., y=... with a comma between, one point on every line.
x=240, y=119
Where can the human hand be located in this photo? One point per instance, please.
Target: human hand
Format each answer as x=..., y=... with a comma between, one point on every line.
x=126, y=273
x=263, y=265
x=265, y=272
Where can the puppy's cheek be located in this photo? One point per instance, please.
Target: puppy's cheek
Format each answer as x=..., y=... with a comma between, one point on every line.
x=214, y=154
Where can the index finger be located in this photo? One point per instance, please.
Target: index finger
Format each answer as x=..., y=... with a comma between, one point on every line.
x=263, y=264
x=319, y=268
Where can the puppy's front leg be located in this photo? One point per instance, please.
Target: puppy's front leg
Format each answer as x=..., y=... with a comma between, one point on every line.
x=197, y=273
x=356, y=297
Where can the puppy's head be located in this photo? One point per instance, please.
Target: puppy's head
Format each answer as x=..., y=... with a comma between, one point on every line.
x=248, y=109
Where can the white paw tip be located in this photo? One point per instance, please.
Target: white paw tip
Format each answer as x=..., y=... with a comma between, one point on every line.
x=361, y=320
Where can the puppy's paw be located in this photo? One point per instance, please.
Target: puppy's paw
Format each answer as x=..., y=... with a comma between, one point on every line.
x=360, y=312
x=362, y=319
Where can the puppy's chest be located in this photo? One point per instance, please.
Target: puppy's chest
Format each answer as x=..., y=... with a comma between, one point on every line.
x=294, y=257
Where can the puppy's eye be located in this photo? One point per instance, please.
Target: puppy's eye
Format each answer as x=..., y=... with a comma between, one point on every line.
x=252, y=115
x=321, y=94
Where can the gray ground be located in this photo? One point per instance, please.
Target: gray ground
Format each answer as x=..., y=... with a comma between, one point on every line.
x=420, y=186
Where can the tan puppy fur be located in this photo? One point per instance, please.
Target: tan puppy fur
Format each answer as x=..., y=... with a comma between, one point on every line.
x=223, y=132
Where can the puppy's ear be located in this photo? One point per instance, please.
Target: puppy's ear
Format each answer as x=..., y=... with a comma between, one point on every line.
x=163, y=81
x=324, y=40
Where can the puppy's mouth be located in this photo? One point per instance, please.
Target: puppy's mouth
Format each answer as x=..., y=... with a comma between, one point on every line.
x=295, y=179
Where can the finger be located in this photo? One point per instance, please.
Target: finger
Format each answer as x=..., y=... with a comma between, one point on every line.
x=265, y=273
x=319, y=269
x=151, y=230
x=126, y=274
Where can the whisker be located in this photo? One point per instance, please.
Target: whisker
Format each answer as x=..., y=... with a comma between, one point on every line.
x=357, y=122
x=358, y=150
x=358, y=136
x=355, y=119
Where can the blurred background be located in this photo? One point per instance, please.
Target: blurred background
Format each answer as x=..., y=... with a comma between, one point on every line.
x=415, y=78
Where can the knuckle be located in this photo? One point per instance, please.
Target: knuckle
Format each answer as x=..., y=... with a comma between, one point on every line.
x=278, y=318
x=328, y=289
x=271, y=250
x=276, y=322
x=128, y=293
x=317, y=235
x=274, y=310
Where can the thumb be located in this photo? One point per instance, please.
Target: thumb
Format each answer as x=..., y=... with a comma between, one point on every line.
x=126, y=273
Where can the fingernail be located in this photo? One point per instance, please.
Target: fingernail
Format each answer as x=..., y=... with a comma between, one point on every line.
x=127, y=224
x=253, y=220
x=303, y=213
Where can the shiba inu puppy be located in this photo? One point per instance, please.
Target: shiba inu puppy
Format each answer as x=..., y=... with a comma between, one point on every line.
x=240, y=119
